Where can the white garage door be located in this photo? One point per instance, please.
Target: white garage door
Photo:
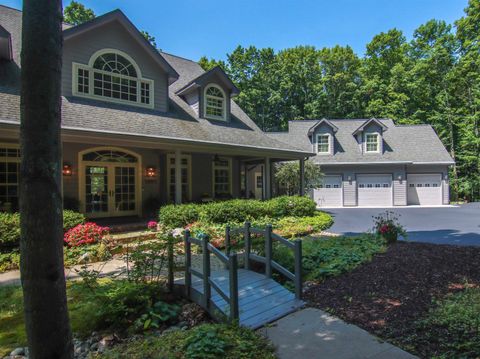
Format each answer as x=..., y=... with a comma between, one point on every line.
x=374, y=190
x=329, y=194
x=424, y=189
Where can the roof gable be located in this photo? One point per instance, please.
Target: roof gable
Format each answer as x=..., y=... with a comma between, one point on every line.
x=119, y=16
x=215, y=73
x=369, y=122
x=319, y=123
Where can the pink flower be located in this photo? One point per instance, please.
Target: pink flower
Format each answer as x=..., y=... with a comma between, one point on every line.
x=87, y=233
x=152, y=225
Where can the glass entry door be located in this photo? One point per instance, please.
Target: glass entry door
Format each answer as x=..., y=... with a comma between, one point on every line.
x=110, y=190
x=109, y=183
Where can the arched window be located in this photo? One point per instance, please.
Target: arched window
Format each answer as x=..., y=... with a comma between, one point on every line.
x=215, y=107
x=113, y=75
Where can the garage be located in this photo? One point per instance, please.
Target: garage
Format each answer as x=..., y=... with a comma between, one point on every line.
x=374, y=190
x=424, y=189
x=329, y=193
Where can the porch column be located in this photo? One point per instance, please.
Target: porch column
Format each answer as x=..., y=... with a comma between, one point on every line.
x=178, y=177
x=267, y=180
x=302, y=177
x=245, y=179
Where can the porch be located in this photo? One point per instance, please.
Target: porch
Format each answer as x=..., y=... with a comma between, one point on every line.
x=127, y=177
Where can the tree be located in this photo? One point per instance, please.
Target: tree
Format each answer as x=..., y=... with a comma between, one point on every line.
x=41, y=244
x=76, y=13
x=149, y=38
x=287, y=175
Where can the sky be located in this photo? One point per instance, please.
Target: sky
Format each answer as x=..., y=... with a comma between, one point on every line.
x=194, y=28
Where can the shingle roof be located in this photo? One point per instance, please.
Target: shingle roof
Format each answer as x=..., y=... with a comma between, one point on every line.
x=402, y=143
x=181, y=122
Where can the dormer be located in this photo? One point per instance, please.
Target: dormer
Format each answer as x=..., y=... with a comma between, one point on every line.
x=370, y=136
x=322, y=136
x=209, y=95
x=6, y=52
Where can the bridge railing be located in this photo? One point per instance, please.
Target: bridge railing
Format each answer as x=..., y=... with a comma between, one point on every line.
x=229, y=260
x=267, y=260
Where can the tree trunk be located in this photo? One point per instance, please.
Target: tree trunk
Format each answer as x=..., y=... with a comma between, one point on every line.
x=41, y=245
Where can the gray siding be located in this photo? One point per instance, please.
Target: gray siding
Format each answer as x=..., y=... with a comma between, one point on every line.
x=114, y=36
x=193, y=101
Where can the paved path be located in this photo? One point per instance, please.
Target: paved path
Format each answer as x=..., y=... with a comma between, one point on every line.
x=458, y=225
x=311, y=333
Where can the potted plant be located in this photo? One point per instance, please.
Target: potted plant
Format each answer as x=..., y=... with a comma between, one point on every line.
x=387, y=226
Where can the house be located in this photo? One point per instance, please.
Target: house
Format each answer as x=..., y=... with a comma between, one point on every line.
x=373, y=162
x=139, y=126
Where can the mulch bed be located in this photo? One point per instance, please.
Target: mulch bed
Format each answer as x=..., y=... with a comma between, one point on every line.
x=387, y=295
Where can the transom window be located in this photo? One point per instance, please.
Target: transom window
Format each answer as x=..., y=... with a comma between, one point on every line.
x=112, y=76
x=215, y=103
x=222, y=174
x=323, y=144
x=371, y=142
x=109, y=156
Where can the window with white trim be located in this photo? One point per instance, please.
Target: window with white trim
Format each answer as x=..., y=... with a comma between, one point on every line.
x=9, y=177
x=323, y=143
x=112, y=76
x=215, y=105
x=222, y=175
x=371, y=142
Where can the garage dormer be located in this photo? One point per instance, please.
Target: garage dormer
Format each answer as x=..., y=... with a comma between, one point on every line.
x=209, y=95
x=322, y=135
x=370, y=136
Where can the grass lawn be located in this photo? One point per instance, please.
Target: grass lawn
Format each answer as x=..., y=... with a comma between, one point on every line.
x=421, y=297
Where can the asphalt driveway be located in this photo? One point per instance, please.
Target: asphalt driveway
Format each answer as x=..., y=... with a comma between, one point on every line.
x=458, y=225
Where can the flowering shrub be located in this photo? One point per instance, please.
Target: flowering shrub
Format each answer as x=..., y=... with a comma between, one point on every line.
x=152, y=225
x=387, y=226
x=87, y=233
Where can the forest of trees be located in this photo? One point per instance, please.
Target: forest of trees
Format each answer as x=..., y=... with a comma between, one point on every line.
x=432, y=79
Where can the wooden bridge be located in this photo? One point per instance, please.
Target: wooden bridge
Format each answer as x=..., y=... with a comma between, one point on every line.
x=241, y=294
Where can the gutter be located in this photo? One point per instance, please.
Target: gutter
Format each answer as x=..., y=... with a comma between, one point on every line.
x=387, y=163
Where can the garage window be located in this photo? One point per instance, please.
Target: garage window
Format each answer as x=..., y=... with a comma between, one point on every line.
x=385, y=185
x=361, y=185
x=435, y=185
x=411, y=185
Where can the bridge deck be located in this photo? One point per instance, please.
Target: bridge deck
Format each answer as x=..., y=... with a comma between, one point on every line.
x=261, y=299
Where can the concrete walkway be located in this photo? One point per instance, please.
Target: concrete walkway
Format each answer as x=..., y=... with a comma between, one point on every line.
x=311, y=333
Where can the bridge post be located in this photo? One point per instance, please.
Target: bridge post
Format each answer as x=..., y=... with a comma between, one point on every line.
x=268, y=251
x=247, y=245
x=206, y=273
x=227, y=240
x=298, y=268
x=233, y=274
x=188, y=263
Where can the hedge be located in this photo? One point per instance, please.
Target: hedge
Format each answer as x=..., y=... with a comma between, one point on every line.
x=236, y=210
x=10, y=225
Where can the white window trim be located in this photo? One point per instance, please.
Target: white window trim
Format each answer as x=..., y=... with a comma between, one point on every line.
x=188, y=166
x=378, y=142
x=224, y=104
x=76, y=66
x=214, y=167
x=329, y=137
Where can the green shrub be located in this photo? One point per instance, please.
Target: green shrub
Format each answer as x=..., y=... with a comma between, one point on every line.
x=9, y=260
x=9, y=229
x=175, y=216
x=204, y=341
x=299, y=226
x=322, y=258
x=296, y=206
x=10, y=226
x=235, y=211
x=72, y=219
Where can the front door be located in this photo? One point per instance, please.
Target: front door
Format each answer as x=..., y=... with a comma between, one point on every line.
x=107, y=188
x=258, y=185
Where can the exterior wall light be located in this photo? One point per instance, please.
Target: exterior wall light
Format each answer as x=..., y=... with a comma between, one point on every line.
x=67, y=170
x=150, y=172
